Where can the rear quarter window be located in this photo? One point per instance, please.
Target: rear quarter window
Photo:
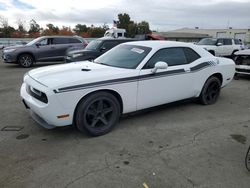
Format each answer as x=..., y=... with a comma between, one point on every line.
x=73, y=40
x=191, y=55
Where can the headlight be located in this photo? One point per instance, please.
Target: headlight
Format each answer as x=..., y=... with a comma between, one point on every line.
x=9, y=50
x=76, y=55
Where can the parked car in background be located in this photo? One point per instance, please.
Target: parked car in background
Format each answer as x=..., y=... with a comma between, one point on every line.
x=94, y=49
x=221, y=46
x=242, y=61
x=46, y=48
x=130, y=77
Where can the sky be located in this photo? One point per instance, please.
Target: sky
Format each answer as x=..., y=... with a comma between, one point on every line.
x=162, y=15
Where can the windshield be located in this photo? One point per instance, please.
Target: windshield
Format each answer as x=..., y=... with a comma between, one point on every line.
x=93, y=45
x=207, y=41
x=124, y=56
x=34, y=41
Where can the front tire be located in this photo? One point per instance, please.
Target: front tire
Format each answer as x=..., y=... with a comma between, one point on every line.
x=25, y=60
x=98, y=113
x=210, y=91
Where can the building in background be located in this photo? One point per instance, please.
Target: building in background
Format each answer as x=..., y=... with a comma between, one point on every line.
x=186, y=33
x=182, y=36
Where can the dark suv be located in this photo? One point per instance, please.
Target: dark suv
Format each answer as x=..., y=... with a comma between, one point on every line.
x=46, y=48
x=94, y=49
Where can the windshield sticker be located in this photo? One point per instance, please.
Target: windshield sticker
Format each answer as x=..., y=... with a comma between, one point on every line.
x=137, y=50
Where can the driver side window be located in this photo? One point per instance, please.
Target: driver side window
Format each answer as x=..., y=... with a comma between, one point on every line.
x=44, y=42
x=172, y=56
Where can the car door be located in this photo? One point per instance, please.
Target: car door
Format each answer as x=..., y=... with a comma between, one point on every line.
x=226, y=48
x=58, y=47
x=43, y=49
x=167, y=85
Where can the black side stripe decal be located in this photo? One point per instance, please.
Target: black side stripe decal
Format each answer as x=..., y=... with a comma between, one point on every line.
x=133, y=79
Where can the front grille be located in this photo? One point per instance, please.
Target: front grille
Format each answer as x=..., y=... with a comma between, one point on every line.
x=243, y=70
x=37, y=94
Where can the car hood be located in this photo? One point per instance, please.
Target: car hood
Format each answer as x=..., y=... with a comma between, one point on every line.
x=207, y=46
x=14, y=47
x=79, y=51
x=66, y=75
x=243, y=52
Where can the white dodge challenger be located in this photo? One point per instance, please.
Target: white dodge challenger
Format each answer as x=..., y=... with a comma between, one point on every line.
x=130, y=77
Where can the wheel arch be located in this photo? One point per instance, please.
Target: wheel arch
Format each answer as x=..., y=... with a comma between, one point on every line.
x=235, y=50
x=113, y=92
x=218, y=75
x=22, y=53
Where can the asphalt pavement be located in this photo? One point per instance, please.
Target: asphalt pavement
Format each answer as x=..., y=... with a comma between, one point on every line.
x=180, y=145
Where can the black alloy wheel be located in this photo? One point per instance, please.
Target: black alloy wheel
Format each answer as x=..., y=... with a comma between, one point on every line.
x=210, y=91
x=98, y=113
x=247, y=159
x=25, y=60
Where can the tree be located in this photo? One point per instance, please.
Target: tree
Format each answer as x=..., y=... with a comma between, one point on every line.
x=79, y=29
x=96, y=32
x=143, y=28
x=5, y=29
x=65, y=31
x=124, y=21
x=50, y=30
x=131, y=27
x=34, y=29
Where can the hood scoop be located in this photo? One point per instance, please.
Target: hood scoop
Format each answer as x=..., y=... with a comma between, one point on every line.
x=86, y=70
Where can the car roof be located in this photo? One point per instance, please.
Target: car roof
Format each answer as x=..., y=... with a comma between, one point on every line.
x=60, y=36
x=115, y=39
x=161, y=43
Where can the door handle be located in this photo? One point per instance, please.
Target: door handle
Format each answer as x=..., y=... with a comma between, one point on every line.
x=187, y=69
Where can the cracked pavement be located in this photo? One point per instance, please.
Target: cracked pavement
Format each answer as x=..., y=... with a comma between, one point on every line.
x=178, y=145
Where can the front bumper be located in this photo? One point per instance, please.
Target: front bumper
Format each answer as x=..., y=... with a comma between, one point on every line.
x=44, y=114
x=8, y=58
x=242, y=69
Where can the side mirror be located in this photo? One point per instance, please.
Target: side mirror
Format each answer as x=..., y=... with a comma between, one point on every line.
x=38, y=45
x=219, y=44
x=159, y=65
x=102, y=49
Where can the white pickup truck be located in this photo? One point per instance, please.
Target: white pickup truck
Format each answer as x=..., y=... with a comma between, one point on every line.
x=221, y=46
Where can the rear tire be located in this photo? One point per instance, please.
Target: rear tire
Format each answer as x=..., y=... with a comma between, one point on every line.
x=98, y=113
x=210, y=91
x=25, y=60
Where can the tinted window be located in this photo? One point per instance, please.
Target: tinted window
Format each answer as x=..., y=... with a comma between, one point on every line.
x=44, y=42
x=172, y=56
x=237, y=41
x=124, y=56
x=109, y=44
x=227, y=41
x=60, y=41
x=191, y=55
x=220, y=41
x=93, y=45
x=73, y=40
x=207, y=41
